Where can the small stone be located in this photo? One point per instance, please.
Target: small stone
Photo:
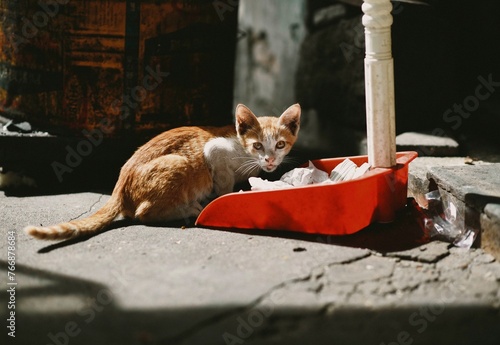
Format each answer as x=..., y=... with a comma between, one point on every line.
x=468, y=160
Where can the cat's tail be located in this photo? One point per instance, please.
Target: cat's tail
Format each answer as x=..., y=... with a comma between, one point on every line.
x=86, y=226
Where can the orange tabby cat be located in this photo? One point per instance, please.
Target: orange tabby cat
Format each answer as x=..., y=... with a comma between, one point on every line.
x=170, y=175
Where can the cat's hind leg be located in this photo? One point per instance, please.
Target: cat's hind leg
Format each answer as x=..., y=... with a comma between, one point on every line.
x=147, y=213
x=170, y=187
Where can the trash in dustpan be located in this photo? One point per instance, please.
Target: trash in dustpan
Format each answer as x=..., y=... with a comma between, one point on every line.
x=324, y=208
x=299, y=177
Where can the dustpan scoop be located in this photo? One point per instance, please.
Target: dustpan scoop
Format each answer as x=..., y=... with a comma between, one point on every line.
x=349, y=206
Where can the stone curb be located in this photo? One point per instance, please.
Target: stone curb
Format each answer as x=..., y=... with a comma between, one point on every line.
x=473, y=189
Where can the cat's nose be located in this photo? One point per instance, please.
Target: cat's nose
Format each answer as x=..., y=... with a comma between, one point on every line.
x=270, y=160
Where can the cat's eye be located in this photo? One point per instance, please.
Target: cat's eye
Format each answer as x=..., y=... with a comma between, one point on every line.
x=280, y=144
x=257, y=146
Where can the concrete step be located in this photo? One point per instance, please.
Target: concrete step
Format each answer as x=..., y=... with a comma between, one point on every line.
x=472, y=188
x=475, y=191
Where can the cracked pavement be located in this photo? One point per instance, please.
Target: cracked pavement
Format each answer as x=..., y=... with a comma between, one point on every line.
x=138, y=284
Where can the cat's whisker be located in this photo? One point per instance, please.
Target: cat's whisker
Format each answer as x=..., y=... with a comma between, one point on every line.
x=240, y=157
x=248, y=164
x=251, y=170
x=248, y=167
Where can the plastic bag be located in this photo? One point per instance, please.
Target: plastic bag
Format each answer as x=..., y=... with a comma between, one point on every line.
x=443, y=220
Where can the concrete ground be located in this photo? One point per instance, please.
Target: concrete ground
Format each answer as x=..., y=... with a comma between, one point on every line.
x=135, y=284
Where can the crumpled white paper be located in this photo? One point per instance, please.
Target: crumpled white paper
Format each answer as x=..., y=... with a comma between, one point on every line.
x=259, y=184
x=345, y=171
x=304, y=176
x=348, y=170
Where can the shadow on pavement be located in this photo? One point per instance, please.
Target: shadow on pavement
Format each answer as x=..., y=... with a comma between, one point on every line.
x=58, y=245
x=68, y=310
x=402, y=234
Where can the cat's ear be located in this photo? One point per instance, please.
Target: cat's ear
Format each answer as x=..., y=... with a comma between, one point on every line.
x=245, y=119
x=291, y=119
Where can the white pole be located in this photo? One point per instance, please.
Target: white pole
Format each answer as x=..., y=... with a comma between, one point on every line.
x=379, y=84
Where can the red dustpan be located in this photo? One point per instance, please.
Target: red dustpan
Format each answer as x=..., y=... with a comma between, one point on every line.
x=335, y=209
x=345, y=207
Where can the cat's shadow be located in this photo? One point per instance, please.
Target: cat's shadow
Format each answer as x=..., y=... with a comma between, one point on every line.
x=69, y=242
x=183, y=223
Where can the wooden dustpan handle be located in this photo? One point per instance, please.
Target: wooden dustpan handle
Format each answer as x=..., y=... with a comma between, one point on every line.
x=379, y=84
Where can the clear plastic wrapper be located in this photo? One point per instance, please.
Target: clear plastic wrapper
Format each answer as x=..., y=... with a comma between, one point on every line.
x=443, y=220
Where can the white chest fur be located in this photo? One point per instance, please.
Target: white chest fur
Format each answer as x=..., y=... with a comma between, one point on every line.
x=229, y=163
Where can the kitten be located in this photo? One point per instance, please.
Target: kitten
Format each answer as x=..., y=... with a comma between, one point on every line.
x=171, y=175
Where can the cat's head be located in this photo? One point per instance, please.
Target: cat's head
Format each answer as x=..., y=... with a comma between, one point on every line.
x=267, y=139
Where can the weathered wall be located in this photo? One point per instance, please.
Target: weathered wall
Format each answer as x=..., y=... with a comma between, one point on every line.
x=330, y=79
x=312, y=52
x=270, y=34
